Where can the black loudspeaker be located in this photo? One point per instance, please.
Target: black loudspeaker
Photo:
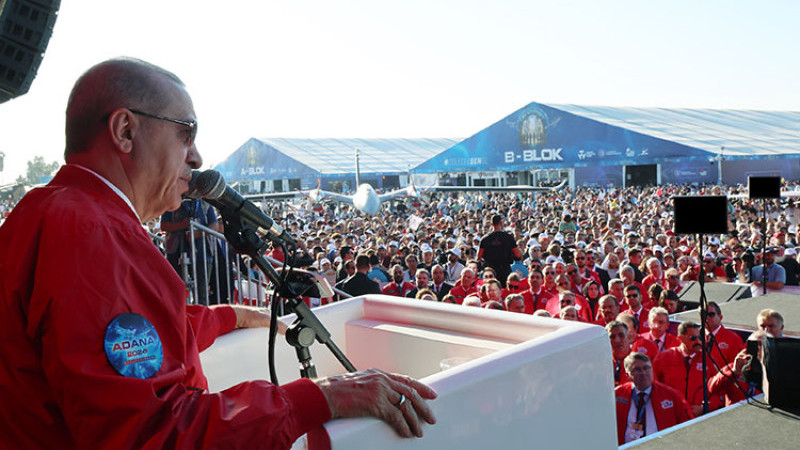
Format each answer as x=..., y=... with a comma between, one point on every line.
x=781, y=366
x=25, y=29
x=716, y=292
x=764, y=187
x=706, y=214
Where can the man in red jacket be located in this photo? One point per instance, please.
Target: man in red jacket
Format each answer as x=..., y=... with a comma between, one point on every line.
x=99, y=348
x=397, y=287
x=645, y=406
x=465, y=286
x=723, y=344
x=535, y=297
x=682, y=368
x=658, y=335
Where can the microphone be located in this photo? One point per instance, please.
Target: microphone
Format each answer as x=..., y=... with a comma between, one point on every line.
x=211, y=187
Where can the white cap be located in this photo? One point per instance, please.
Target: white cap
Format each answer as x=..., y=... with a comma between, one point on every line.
x=455, y=251
x=324, y=261
x=789, y=252
x=658, y=248
x=394, y=243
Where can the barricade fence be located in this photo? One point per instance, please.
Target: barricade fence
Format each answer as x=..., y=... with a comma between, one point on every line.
x=214, y=273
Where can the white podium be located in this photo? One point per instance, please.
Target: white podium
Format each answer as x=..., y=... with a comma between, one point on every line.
x=514, y=380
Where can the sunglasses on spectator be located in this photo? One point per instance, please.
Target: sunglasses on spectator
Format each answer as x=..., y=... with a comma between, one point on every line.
x=631, y=295
x=570, y=272
x=711, y=314
x=694, y=338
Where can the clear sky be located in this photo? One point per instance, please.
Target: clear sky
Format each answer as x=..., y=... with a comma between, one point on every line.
x=416, y=68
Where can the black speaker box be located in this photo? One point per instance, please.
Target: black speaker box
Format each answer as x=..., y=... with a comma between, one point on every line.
x=25, y=30
x=781, y=366
x=764, y=187
x=715, y=292
x=706, y=214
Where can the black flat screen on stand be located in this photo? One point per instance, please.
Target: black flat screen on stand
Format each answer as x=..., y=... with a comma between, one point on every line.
x=706, y=214
x=764, y=187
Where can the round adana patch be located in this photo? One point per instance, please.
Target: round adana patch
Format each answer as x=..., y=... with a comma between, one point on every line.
x=133, y=346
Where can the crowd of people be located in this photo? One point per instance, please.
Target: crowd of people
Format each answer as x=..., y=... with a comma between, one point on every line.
x=602, y=256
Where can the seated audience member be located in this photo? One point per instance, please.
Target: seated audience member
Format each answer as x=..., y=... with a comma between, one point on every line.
x=645, y=406
x=569, y=313
x=425, y=294
x=515, y=303
x=568, y=298
x=465, y=285
x=736, y=380
x=397, y=287
x=421, y=280
x=451, y=299
x=652, y=296
x=512, y=285
x=491, y=291
x=638, y=344
x=607, y=310
x=658, y=335
x=616, y=287
x=669, y=300
x=472, y=300
x=776, y=274
x=681, y=368
x=620, y=348
x=437, y=284
x=723, y=343
x=536, y=296
x=633, y=300
x=771, y=322
x=673, y=280
x=491, y=304
x=592, y=293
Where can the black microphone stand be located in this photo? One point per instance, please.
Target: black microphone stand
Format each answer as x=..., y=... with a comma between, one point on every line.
x=306, y=328
x=701, y=280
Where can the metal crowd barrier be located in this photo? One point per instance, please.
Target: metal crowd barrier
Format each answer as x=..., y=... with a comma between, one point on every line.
x=229, y=277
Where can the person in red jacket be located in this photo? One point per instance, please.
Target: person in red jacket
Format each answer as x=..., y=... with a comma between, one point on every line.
x=645, y=406
x=723, y=344
x=98, y=348
x=633, y=300
x=398, y=287
x=681, y=368
x=658, y=335
x=620, y=348
x=465, y=286
x=535, y=297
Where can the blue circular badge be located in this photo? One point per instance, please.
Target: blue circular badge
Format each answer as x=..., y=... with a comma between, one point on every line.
x=133, y=347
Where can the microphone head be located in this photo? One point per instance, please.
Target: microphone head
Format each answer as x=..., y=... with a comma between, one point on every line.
x=208, y=184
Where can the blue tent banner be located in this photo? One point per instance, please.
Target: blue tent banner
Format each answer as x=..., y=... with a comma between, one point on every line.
x=542, y=137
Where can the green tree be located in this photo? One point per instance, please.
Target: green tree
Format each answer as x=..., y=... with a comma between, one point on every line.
x=39, y=171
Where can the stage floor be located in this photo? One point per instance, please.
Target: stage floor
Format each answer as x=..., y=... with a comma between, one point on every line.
x=739, y=426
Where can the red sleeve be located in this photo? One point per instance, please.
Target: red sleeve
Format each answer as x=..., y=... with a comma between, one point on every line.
x=209, y=323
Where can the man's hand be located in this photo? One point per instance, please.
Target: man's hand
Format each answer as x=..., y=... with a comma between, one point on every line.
x=742, y=359
x=373, y=393
x=250, y=317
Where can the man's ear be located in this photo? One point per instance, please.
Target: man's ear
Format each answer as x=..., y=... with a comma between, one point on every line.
x=121, y=127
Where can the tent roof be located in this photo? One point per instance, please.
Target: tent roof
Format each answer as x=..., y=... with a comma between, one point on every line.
x=548, y=136
x=337, y=156
x=741, y=132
